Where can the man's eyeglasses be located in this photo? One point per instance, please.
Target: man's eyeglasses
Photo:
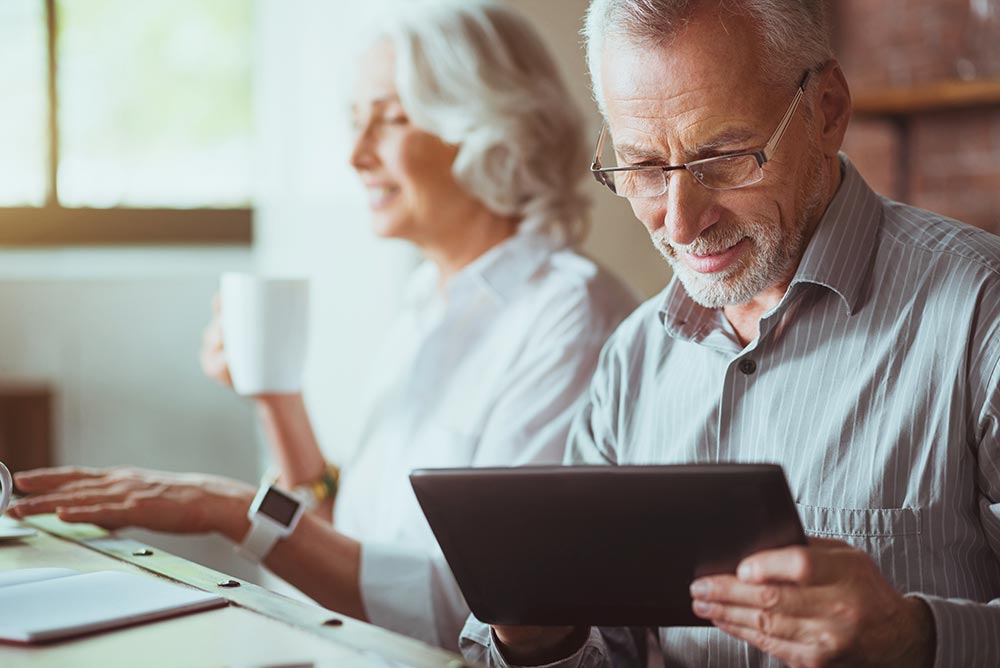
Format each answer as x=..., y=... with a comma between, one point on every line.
x=724, y=172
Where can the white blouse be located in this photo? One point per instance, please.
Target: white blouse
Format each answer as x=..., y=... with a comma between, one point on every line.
x=486, y=371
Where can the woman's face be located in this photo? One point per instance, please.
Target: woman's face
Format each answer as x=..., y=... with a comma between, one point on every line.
x=406, y=171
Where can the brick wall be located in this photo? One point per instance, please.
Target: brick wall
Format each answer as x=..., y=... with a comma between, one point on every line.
x=947, y=161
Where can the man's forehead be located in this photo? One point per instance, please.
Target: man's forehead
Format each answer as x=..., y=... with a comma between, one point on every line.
x=655, y=92
x=713, y=61
x=658, y=76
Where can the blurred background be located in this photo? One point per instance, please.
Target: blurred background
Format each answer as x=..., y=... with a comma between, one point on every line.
x=146, y=147
x=925, y=76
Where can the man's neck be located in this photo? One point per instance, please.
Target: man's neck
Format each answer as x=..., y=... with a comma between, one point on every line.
x=745, y=318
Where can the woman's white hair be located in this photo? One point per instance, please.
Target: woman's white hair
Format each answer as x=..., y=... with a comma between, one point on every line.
x=478, y=75
x=794, y=34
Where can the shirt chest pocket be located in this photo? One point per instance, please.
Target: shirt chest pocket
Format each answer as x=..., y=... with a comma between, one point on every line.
x=890, y=536
x=860, y=525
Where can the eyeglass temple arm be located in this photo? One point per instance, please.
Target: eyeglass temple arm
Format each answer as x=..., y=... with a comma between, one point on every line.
x=596, y=164
x=787, y=118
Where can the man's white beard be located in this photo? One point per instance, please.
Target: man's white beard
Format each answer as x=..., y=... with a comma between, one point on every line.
x=771, y=256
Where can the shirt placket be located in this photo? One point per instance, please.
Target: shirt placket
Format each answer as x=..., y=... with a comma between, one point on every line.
x=738, y=398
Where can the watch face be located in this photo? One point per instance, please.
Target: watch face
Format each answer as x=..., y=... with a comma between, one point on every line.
x=278, y=506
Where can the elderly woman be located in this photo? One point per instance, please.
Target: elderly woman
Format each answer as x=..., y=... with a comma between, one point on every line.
x=470, y=148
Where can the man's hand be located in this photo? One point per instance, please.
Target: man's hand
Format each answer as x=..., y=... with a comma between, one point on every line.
x=821, y=605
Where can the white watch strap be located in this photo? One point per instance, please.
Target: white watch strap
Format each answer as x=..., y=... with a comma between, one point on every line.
x=260, y=539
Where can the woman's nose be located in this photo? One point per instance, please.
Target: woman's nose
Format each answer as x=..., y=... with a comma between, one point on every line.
x=363, y=154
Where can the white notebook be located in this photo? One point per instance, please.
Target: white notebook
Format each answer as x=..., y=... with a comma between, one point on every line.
x=43, y=604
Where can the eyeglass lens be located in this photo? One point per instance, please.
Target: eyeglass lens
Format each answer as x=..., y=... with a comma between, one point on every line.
x=721, y=173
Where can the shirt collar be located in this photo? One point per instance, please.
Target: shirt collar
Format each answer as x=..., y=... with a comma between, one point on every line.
x=840, y=254
x=838, y=257
x=497, y=273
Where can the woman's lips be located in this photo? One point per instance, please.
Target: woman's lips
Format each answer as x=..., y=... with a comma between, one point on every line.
x=380, y=196
x=710, y=264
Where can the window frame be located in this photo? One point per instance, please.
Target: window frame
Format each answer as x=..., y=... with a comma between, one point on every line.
x=55, y=225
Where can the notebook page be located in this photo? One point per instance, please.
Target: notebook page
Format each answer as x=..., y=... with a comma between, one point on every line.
x=22, y=575
x=52, y=609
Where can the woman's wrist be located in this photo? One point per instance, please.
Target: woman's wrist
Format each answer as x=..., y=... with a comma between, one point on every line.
x=290, y=437
x=271, y=403
x=230, y=505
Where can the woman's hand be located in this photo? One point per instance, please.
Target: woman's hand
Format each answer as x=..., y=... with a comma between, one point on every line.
x=213, y=352
x=128, y=497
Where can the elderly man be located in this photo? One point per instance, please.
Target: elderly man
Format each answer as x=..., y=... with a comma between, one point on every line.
x=811, y=322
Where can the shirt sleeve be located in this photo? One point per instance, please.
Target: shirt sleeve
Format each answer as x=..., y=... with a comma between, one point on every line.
x=412, y=592
x=968, y=632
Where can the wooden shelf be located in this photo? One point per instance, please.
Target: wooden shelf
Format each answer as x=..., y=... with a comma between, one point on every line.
x=928, y=97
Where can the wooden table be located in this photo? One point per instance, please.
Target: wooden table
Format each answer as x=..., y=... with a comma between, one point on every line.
x=259, y=628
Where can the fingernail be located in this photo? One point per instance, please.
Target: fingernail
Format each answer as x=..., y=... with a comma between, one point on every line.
x=700, y=588
x=744, y=572
x=701, y=608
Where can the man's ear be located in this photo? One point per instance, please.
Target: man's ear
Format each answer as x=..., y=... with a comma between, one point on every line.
x=833, y=111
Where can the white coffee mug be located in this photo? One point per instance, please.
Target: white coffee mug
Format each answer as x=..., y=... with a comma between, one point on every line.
x=6, y=488
x=264, y=332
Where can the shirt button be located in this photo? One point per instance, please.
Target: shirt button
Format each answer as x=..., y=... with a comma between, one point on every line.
x=748, y=366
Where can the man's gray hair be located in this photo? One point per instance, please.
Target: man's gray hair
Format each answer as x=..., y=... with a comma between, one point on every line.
x=478, y=75
x=794, y=34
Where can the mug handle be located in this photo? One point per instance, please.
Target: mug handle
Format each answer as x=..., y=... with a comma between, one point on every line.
x=6, y=488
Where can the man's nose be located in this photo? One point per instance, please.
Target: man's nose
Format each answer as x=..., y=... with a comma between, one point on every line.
x=689, y=208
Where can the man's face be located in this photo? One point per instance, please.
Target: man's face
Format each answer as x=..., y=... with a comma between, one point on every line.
x=700, y=96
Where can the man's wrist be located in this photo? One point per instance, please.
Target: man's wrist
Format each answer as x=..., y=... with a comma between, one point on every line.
x=549, y=645
x=923, y=637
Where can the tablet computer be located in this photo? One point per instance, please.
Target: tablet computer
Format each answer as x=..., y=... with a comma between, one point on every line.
x=601, y=545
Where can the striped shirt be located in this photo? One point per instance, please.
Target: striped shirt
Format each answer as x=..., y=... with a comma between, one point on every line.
x=874, y=383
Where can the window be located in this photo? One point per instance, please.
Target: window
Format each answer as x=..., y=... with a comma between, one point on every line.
x=125, y=122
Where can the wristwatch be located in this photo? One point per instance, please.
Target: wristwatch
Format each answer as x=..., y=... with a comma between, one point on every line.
x=314, y=492
x=273, y=515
